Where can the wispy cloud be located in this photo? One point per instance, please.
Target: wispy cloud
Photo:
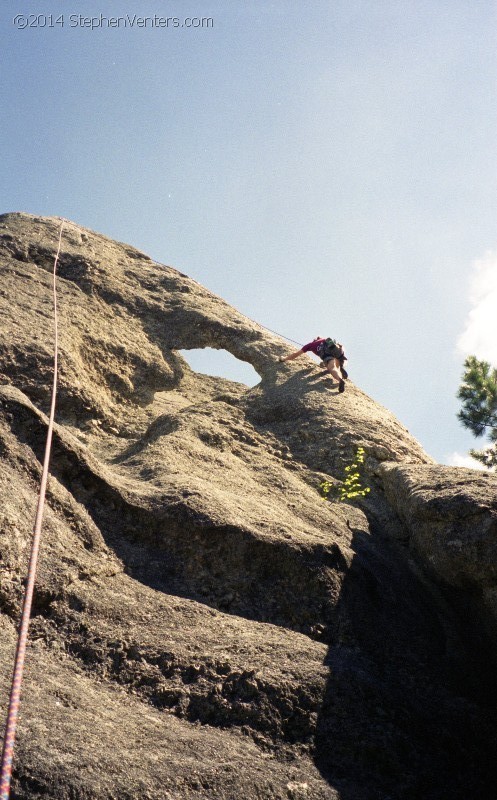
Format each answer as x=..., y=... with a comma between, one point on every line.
x=479, y=337
x=459, y=460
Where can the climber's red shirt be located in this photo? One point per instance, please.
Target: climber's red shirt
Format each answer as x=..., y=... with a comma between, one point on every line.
x=313, y=346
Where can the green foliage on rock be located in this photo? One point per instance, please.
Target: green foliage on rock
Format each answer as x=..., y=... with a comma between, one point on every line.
x=478, y=393
x=352, y=486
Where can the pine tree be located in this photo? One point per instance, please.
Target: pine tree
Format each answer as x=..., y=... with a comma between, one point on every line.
x=478, y=393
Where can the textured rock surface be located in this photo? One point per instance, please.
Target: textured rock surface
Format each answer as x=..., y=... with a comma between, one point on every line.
x=450, y=517
x=204, y=625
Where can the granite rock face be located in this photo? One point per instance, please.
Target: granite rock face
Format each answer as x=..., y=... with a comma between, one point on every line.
x=450, y=517
x=204, y=624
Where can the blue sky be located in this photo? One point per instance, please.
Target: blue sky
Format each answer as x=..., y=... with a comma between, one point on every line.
x=327, y=168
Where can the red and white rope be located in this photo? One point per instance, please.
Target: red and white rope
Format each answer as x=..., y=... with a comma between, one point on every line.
x=15, y=693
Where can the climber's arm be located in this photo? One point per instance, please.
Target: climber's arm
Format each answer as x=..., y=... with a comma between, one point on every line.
x=291, y=356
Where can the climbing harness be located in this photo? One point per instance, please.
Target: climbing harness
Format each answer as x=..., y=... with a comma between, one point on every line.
x=329, y=348
x=15, y=693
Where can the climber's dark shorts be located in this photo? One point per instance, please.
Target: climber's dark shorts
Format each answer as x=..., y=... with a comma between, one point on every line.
x=338, y=356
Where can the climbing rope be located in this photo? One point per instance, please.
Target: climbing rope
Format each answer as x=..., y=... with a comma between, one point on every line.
x=159, y=264
x=15, y=693
x=278, y=334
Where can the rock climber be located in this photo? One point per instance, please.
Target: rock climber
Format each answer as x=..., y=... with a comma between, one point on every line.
x=331, y=354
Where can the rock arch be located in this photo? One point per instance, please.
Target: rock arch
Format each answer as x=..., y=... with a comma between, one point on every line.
x=220, y=364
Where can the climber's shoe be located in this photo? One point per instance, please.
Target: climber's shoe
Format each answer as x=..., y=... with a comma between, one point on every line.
x=341, y=386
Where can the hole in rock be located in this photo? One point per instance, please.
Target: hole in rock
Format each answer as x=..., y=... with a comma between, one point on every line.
x=221, y=364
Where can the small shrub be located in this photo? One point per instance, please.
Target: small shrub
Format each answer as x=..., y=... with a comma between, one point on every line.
x=327, y=487
x=352, y=484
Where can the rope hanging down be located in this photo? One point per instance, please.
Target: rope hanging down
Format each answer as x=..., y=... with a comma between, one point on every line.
x=15, y=693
